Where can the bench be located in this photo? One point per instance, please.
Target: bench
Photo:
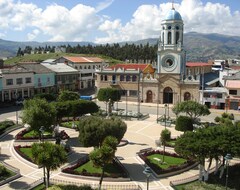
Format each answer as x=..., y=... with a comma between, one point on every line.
x=158, y=159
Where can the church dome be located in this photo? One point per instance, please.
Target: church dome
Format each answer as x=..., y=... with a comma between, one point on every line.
x=173, y=15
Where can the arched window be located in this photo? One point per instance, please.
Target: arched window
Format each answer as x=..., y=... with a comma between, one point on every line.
x=177, y=37
x=134, y=78
x=169, y=37
x=89, y=67
x=187, y=96
x=163, y=38
x=105, y=77
x=127, y=78
x=122, y=77
x=101, y=77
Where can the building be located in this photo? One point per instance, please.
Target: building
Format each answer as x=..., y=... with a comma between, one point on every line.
x=17, y=82
x=44, y=78
x=86, y=67
x=66, y=77
x=173, y=81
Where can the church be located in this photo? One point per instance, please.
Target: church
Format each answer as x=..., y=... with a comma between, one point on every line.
x=171, y=81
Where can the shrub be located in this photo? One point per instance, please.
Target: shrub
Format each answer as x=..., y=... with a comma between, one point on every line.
x=48, y=97
x=3, y=170
x=217, y=119
x=184, y=123
x=224, y=115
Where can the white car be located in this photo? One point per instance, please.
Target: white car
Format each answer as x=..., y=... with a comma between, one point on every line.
x=19, y=102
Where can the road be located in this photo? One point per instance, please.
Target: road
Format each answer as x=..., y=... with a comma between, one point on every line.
x=145, y=108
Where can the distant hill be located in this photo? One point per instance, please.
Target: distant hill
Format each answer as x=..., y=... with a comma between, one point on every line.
x=199, y=47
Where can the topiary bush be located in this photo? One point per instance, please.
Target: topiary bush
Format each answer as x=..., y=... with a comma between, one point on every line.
x=184, y=123
x=217, y=119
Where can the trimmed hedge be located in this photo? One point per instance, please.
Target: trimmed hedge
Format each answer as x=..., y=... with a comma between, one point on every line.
x=5, y=124
x=184, y=123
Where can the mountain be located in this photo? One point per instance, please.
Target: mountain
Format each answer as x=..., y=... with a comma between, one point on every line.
x=199, y=47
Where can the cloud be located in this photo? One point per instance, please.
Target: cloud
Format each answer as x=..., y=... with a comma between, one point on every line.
x=33, y=35
x=197, y=16
x=103, y=5
x=85, y=23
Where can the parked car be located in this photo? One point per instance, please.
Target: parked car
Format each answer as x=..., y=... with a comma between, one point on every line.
x=19, y=102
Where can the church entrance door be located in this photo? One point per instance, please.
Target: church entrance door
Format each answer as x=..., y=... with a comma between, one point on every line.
x=149, y=97
x=167, y=95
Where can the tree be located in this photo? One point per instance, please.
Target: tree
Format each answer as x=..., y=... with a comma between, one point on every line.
x=184, y=123
x=104, y=155
x=109, y=94
x=164, y=138
x=37, y=113
x=93, y=130
x=66, y=95
x=49, y=155
x=192, y=108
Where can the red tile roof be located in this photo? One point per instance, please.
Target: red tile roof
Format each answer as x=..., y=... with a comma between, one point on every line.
x=84, y=59
x=130, y=66
x=197, y=64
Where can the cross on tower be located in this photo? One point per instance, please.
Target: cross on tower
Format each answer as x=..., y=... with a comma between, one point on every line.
x=173, y=4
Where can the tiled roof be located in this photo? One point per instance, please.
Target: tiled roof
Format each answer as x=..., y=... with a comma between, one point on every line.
x=15, y=69
x=130, y=66
x=233, y=84
x=84, y=59
x=197, y=64
x=59, y=67
x=37, y=68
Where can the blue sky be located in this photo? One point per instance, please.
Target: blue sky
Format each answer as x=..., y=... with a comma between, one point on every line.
x=107, y=21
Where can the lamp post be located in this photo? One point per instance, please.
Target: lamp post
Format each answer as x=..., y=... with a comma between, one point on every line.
x=147, y=171
x=228, y=157
x=139, y=75
x=17, y=117
x=42, y=130
x=165, y=115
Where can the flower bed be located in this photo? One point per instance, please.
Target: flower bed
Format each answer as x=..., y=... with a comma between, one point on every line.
x=74, y=169
x=18, y=150
x=20, y=136
x=157, y=169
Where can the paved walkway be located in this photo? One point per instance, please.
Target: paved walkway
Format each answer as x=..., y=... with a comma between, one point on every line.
x=140, y=134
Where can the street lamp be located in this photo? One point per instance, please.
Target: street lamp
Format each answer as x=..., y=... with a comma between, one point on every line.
x=147, y=171
x=228, y=157
x=165, y=115
x=42, y=130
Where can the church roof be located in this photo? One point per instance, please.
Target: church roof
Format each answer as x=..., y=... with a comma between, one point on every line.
x=173, y=15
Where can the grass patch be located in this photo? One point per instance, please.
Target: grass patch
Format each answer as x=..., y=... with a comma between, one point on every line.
x=32, y=134
x=39, y=187
x=5, y=173
x=89, y=167
x=69, y=124
x=169, y=161
x=6, y=125
x=27, y=152
x=171, y=143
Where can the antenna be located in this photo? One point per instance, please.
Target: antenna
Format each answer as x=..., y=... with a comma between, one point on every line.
x=173, y=5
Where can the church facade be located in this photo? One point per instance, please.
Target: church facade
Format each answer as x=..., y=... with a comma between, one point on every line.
x=170, y=83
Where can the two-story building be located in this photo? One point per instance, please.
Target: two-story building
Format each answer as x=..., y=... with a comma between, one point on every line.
x=44, y=78
x=86, y=67
x=66, y=77
x=17, y=82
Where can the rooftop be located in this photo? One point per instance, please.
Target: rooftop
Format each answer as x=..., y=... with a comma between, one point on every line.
x=173, y=15
x=84, y=59
x=59, y=67
x=197, y=64
x=129, y=66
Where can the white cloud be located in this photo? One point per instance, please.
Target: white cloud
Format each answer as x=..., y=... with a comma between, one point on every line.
x=31, y=36
x=198, y=17
x=80, y=23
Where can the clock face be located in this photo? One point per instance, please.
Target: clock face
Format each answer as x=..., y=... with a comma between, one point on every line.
x=168, y=63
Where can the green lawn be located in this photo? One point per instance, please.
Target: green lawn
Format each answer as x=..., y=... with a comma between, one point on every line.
x=27, y=152
x=69, y=124
x=33, y=133
x=5, y=173
x=169, y=160
x=199, y=186
x=110, y=169
x=171, y=142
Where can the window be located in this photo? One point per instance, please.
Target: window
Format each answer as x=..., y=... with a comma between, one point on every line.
x=19, y=81
x=76, y=67
x=28, y=80
x=48, y=80
x=187, y=96
x=233, y=92
x=163, y=38
x=89, y=67
x=133, y=92
x=80, y=67
x=169, y=37
x=85, y=67
x=39, y=80
x=122, y=77
x=177, y=37
x=134, y=78
x=101, y=77
x=128, y=78
x=9, y=82
x=93, y=66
